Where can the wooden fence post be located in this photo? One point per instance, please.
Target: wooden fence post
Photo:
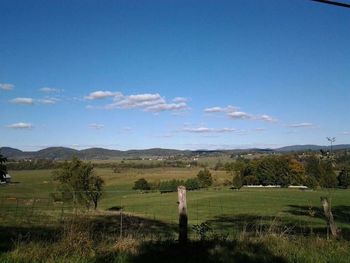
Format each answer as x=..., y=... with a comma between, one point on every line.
x=183, y=219
x=326, y=204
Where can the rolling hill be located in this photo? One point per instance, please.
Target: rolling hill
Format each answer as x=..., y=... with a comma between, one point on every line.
x=63, y=153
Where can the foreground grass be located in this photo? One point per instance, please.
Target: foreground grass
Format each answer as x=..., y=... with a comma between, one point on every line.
x=263, y=248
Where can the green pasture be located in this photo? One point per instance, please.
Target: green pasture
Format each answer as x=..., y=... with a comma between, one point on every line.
x=218, y=205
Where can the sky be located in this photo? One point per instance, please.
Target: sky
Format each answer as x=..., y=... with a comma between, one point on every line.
x=173, y=74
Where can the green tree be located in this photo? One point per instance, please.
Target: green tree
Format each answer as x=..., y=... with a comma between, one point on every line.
x=3, y=167
x=329, y=178
x=250, y=180
x=79, y=183
x=204, y=178
x=192, y=184
x=297, y=172
x=344, y=178
x=141, y=184
x=237, y=181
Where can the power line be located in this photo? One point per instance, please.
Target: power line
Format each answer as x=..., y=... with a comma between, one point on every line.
x=332, y=3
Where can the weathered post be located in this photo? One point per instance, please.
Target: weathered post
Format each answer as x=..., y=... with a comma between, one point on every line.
x=183, y=219
x=329, y=216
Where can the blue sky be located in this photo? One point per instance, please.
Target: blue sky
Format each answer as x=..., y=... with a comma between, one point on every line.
x=173, y=74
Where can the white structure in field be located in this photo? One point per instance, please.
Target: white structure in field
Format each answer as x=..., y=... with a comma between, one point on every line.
x=298, y=187
x=262, y=186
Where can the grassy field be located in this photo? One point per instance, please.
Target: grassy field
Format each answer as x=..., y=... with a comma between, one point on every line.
x=302, y=207
x=26, y=207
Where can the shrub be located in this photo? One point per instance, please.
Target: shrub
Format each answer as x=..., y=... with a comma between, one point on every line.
x=192, y=184
x=141, y=184
x=204, y=178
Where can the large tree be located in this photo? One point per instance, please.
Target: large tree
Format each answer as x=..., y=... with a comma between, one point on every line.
x=79, y=183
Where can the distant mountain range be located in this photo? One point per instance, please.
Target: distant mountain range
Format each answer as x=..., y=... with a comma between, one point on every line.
x=63, y=153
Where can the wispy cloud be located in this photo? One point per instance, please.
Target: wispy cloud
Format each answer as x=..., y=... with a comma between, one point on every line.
x=49, y=101
x=125, y=130
x=31, y=101
x=6, y=86
x=98, y=95
x=20, y=125
x=260, y=129
x=96, y=126
x=236, y=114
x=23, y=101
x=208, y=130
x=345, y=133
x=179, y=99
x=221, y=109
x=301, y=125
x=50, y=90
x=267, y=118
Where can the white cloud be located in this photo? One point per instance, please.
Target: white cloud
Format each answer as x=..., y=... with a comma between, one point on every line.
x=6, y=86
x=208, y=130
x=213, y=110
x=20, y=125
x=167, y=107
x=221, y=109
x=179, y=99
x=234, y=113
x=24, y=101
x=147, y=102
x=301, y=125
x=50, y=90
x=345, y=133
x=267, y=118
x=48, y=101
x=151, y=102
x=137, y=101
x=239, y=115
x=97, y=95
x=96, y=126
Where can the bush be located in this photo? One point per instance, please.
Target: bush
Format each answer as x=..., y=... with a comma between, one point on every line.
x=192, y=184
x=141, y=184
x=204, y=178
x=170, y=186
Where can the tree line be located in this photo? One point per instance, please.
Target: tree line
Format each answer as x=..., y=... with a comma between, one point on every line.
x=312, y=171
x=38, y=164
x=202, y=180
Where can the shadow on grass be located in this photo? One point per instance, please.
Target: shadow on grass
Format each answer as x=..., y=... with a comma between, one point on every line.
x=10, y=235
x=255, y=225
x=205, y=252
x=116, y=224
x=101, y=227
x=341, y=213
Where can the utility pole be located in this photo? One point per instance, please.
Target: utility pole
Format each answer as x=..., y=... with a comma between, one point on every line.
x=331, y=140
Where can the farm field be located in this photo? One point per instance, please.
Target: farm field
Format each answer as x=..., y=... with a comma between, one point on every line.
x=288, y=220
x=290, y=205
